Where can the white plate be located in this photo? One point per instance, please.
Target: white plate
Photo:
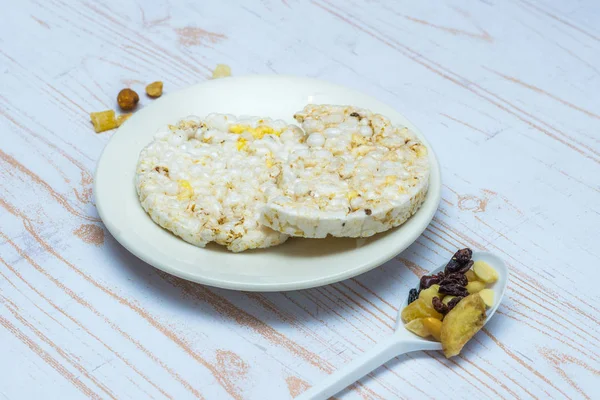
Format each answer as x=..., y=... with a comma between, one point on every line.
x=296, y=264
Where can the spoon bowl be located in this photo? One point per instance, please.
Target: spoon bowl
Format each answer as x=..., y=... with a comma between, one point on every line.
x=498, y=287
x=402, y=341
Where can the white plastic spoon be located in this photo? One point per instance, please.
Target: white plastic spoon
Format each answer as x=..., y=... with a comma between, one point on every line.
x=402, y=341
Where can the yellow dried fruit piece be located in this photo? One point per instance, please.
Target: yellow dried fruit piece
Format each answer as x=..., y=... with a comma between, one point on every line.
x=122, y=118
x=485, y=272
x=462, y=323
x=154, y=89
x=447, y=299
x=475, y=287
x=416, y=326
x=434, y=326
x=127, y=99
x=103, y=120
x=419, y=309
x=471, y=276
x=429, y=293
x=221, y=71
x=487, y=295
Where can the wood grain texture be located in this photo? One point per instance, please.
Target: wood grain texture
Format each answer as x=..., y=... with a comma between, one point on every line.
x=506, y=92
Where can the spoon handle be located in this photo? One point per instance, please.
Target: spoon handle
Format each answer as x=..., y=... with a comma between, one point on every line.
x=361, y=366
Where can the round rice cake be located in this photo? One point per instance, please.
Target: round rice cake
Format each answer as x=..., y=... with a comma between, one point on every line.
x=207, y=180
x=356, y=175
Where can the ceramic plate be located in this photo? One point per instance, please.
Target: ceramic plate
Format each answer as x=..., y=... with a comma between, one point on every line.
x=296, y=264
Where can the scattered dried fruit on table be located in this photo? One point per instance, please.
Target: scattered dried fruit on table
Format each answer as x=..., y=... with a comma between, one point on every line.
x=485, y=272
x=475, y=287
x=417, y=327
x=127, y=99
x=487, y=295
x=154, y=89
x=122, y=118
x=429, y=293
x=221, y=71
x=434, y=326
x=103, y=120
x=419, y=309
x=461, y=324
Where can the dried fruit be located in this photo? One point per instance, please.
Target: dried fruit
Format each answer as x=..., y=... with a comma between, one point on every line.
x=463, y=256
x=439, y=306
x=452, y=303
x=471, y=277
x=127, y=99
x=461, y=324
x=455, y=278
x=453, y=289
x=428, y=280
x=154, y=89
x=413, y=294
x=487, y=295
x=466, y=267
x=417, y=327
x=475, y=287
x=485, y=272
x=419, y=309
x=434, y=326
x=429, y=293
x=221, y=71
x=103, y=120
x=453, y=266
x=122, y=118
x=447, y=299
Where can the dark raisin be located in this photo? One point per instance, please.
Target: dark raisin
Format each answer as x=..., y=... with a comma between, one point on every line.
x=355, y=114
x=368, y=211
x=439, y=306
x=455, y=278
x=413, y=294
x=453, y=266
x=452, y=303
x=463, y=256
x=428, y=280
x=454, y=290
x=466, y=267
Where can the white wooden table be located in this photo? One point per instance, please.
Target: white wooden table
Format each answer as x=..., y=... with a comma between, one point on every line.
x=507, y=92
